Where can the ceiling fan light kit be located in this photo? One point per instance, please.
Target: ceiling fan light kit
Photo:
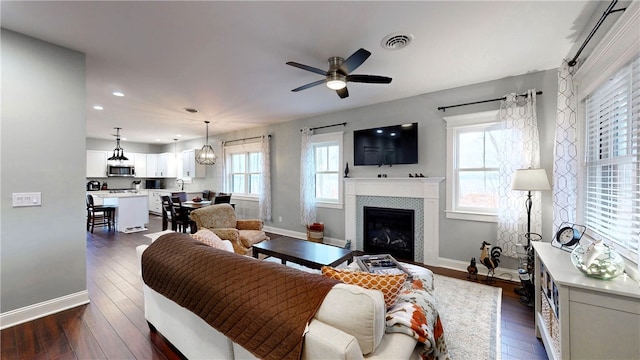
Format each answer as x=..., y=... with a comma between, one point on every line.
x=206, y=155
x=338, y=75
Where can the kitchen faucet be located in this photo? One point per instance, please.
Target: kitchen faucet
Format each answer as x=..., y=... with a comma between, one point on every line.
x=181, y=183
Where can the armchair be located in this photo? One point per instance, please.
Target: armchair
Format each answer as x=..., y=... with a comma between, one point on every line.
x=221, y=219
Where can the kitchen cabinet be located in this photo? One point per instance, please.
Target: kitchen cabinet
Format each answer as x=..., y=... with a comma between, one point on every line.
x=158, y=166
x=155, y=202
x=96, y=164
x=190, y=168
x=140, y=163
x=578, y=317
x=152, y=165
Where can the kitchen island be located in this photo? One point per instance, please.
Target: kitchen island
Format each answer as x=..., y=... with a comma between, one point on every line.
x=132, y=213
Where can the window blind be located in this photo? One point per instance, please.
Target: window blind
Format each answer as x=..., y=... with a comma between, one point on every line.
x=612, y=159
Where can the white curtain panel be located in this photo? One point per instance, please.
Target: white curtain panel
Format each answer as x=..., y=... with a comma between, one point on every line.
x=520, y=149
x=308, y=211
x=265, y=185
x=565, y=154
x=222, y=167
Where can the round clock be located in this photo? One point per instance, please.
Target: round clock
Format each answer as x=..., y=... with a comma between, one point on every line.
x=568, y=236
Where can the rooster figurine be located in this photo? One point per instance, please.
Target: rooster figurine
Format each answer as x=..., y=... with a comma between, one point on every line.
x=472, y=269
x=490, y=257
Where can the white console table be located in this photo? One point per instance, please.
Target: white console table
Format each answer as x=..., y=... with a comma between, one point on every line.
x=578, y=317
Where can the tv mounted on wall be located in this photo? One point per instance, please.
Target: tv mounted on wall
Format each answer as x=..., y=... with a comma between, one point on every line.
x=388, y=145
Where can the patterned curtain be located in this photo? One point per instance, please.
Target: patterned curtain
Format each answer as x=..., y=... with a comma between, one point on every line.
x=520, y=149
x=565, y=154
x=308, y=211
x=265, y=185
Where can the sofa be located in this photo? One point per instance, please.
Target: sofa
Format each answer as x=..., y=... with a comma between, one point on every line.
x=349, y=323
x=221, y=219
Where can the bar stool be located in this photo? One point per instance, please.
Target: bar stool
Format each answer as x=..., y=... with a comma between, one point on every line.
x=99, y=215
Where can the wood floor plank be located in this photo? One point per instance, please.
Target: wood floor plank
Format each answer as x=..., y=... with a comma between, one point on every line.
x=113, y=326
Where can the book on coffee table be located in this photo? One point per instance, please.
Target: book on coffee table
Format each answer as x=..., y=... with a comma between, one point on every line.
x=381, y=264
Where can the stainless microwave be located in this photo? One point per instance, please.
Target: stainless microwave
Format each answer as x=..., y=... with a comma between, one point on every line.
x=121, y=170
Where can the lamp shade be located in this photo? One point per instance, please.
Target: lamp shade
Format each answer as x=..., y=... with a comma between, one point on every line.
x=530, y=180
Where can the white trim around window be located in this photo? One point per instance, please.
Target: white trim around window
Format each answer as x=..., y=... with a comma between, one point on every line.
x=235, y=149
x=335, y=138
x=454, y=124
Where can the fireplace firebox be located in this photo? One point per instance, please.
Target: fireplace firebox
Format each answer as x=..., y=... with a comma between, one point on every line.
x=389, y=231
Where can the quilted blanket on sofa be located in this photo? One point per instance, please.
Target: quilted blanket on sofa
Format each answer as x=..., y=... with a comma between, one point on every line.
x=262, y=306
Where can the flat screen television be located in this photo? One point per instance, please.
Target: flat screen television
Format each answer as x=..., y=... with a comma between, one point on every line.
x=388, y=145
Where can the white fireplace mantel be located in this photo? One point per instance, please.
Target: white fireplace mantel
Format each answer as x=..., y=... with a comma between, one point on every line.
x=427, y=188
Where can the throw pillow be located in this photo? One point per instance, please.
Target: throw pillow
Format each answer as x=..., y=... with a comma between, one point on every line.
x=390, y=285
x=210, y=238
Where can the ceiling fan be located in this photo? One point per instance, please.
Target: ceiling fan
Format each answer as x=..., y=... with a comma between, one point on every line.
x=339, y=71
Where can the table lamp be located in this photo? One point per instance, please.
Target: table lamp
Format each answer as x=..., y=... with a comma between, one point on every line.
x=530, y=180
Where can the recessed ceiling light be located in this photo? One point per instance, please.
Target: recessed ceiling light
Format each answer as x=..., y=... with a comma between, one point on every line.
x=393, y=134
x=379, y=131
x=98, y=107
x=118, y=93
x=124, y=139
x=157, y=139
x=178, y=135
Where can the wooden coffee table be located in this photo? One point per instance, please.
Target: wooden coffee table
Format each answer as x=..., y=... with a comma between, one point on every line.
x=306, y=253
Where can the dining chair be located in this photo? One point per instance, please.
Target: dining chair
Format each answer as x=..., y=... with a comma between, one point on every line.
x=170, y=211
x=222, y=199
x=208, y=194
x=181, y=194
x=99, y=215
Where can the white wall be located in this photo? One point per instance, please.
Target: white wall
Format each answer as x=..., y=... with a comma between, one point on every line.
x=42, y=148
x=459, y=239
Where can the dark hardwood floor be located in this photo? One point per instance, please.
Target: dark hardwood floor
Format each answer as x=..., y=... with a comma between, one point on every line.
x=113, y=326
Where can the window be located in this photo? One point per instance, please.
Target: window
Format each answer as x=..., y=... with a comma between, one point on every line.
x=472, y=166
x=327, y=150
x=611, y=202
x=243, y=169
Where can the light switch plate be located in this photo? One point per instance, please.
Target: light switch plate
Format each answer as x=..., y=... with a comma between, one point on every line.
x=27, y=199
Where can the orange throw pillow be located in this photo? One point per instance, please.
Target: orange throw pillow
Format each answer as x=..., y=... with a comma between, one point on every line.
x=390, y=285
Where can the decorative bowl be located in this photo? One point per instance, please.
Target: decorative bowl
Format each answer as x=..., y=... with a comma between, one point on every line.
x=598, y=261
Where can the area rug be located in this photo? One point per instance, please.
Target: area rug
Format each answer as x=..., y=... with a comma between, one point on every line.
x=470, y=314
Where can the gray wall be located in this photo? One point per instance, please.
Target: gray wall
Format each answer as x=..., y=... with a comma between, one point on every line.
x=42, y=150
x=459, y=239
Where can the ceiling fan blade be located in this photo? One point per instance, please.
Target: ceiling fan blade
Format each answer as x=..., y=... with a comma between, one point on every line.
x=343, y=93
x=315, y=83
x=356, y=59
x=370, y=79
x=307, y=67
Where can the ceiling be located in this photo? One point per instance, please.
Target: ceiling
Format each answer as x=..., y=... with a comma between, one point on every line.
x=227, y=59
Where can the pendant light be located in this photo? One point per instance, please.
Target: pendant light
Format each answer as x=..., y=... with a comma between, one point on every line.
x=206, y=155
x=118, y=152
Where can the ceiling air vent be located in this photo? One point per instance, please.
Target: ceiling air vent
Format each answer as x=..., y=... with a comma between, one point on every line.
x=396, y=41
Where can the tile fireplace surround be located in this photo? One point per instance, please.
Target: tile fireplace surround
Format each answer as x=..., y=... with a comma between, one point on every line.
x=427, y=189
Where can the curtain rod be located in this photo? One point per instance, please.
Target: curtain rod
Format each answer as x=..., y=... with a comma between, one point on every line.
x=606, y=13
x=326, y=126
x=248, y=138
x=443, y=108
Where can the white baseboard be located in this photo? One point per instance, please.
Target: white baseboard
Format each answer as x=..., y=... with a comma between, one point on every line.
x=35, y=311
x=303, y=236
x=501, y=273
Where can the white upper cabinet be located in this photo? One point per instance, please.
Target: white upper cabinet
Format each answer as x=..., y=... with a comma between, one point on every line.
x=161, y=165
x=152, y=165
x=96, y=164
x=190, y=168
x=140, y=163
